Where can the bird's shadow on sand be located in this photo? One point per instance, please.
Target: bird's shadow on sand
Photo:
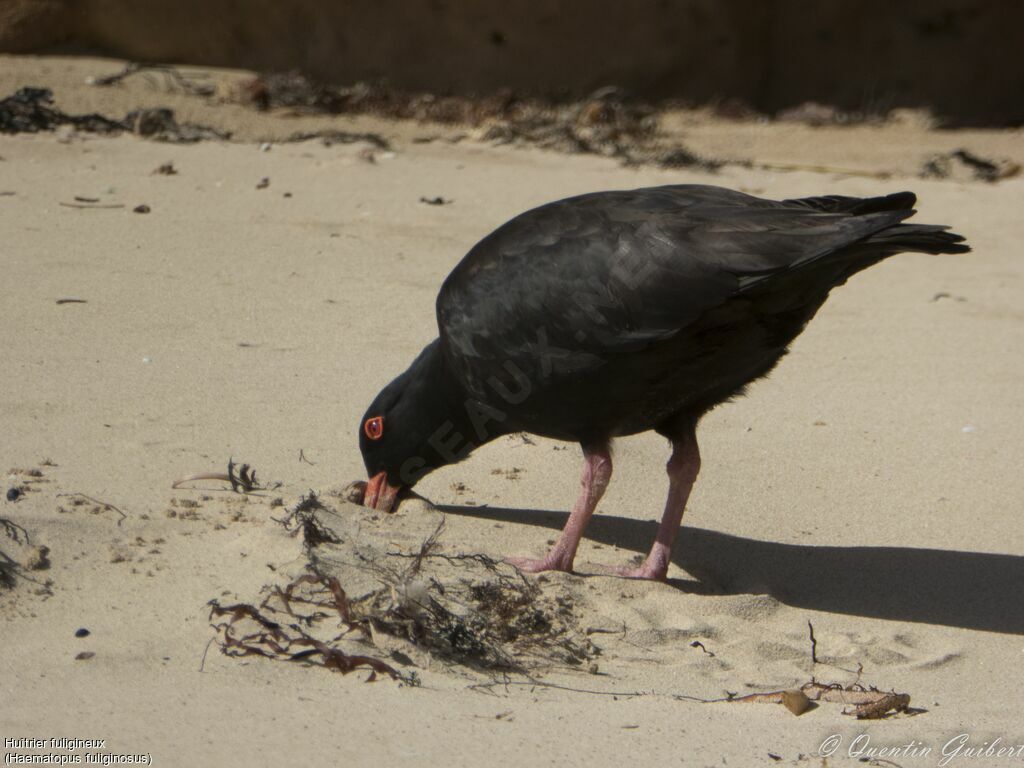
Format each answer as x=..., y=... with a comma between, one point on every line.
x=973, y=590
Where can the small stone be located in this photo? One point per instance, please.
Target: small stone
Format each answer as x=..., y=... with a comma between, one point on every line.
x=82, y=632
x=13, y=494
x=84, y=656
x=141, y=208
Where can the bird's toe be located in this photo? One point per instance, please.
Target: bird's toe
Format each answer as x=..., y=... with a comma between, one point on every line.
x=533, y=565
x=646, y=572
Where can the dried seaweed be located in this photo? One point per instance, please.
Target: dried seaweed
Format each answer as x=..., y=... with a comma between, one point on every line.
x=279, y=629
x=331, y=137
x=467, y=609
x=471, y=610
x=303, y=520
x=32, y=110
x=868, y=703
x=9, y=567
x=14, y=532
x=963, y=164
x=604, y=123
x=242, y=481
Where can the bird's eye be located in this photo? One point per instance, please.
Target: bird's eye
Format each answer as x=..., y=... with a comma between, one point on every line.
x=374, y=427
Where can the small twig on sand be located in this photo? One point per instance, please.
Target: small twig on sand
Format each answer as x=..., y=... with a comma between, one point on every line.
x=302, y=457
x=814, y=643
x=206, y=650
x=14, y=532
x=554, y=686
x=104, y=504
x=699, y=644
x=91, y=205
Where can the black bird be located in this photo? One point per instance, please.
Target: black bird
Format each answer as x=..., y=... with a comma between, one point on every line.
x=614, y=313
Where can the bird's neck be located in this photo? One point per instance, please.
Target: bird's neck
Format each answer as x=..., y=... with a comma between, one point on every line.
x=463, y=422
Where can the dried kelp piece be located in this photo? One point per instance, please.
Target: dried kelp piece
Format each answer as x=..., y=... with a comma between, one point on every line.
x=868, y=703
x=890, y=703
x=242, y=481
x=303, y=520
x=278, y=628
x=31, y=110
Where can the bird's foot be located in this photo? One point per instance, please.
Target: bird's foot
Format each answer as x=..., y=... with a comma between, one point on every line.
x=532, y=565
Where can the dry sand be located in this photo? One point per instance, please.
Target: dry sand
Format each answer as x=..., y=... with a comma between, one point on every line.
x=871, y=486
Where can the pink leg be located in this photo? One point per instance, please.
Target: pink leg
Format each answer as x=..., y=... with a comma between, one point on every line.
x=682, y=473
x=597, y=472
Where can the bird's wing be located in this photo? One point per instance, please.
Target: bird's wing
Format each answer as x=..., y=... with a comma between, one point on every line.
x=577, y=282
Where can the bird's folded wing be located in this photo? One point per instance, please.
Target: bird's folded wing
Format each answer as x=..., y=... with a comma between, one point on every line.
x=594, y=277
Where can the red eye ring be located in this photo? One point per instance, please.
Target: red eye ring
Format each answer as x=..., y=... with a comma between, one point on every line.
x=374, y=427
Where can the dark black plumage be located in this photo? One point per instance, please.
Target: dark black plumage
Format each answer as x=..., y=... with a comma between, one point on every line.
x=619, y=312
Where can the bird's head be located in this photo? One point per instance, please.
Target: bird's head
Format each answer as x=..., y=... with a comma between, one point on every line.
x=412, y=427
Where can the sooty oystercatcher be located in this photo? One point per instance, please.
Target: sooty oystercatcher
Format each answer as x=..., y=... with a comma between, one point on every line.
x=615, y=313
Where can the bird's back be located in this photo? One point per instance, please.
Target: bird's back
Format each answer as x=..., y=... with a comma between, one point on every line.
x=607, y=313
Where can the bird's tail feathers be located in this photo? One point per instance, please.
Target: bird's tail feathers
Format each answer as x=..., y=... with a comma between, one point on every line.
x=922, y=238
x=858, y=206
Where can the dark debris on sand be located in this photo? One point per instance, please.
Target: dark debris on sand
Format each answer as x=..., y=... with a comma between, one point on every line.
x=32, y=110
x=964, y=165
x=604, y=123
x=9, y=567
x=397, y=594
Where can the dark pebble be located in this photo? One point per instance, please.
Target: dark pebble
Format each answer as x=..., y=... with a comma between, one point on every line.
x=13, y=494
x=82, y=632
x=141, y=208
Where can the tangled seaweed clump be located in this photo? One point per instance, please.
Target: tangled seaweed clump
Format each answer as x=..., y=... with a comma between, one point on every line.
x=359, y=604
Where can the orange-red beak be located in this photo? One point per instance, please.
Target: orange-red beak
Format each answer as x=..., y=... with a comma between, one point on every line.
x=380, y=494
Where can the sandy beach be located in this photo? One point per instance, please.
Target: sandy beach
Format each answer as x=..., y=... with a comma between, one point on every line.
x=871, y=486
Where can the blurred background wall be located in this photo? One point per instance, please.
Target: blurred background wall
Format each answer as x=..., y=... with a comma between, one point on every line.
x=962, y=58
